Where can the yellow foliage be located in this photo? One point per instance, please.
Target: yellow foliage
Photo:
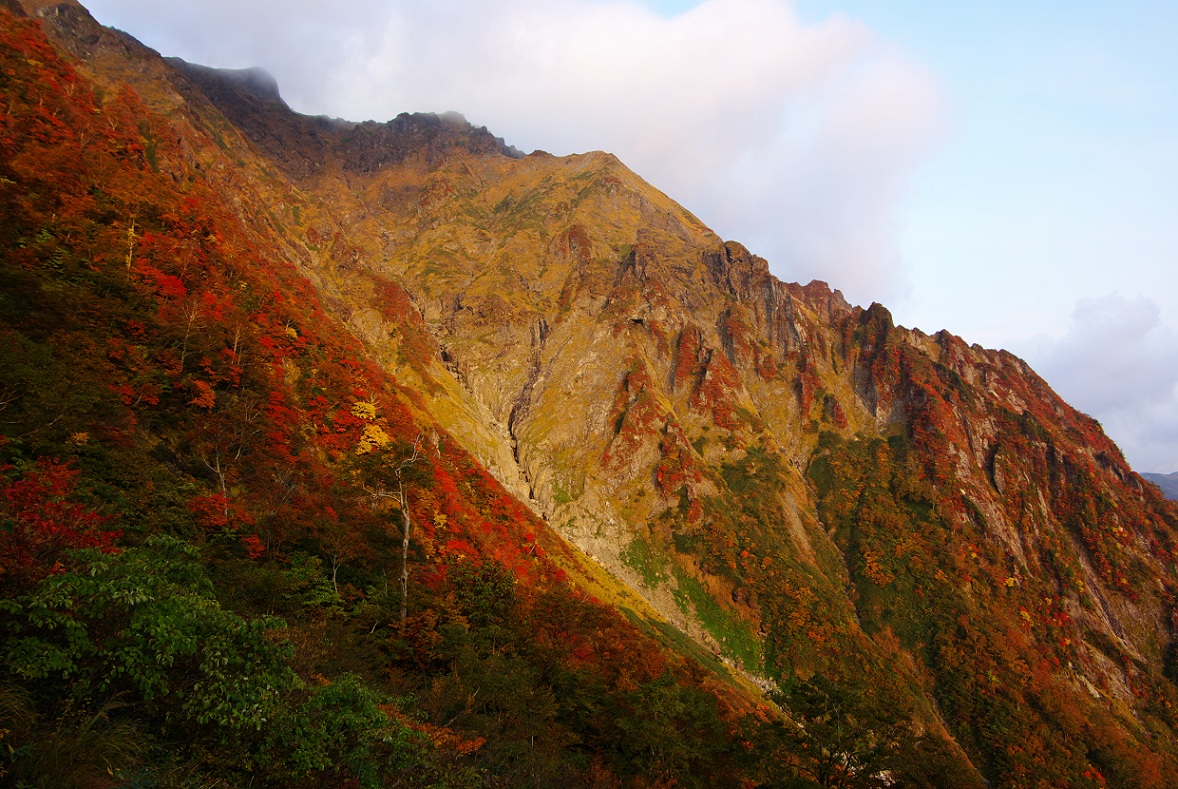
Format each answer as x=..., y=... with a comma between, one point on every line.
x=374, y=438
x=364, y=410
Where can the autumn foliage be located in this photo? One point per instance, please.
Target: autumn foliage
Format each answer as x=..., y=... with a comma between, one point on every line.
x=212, y=484
x=168, y=375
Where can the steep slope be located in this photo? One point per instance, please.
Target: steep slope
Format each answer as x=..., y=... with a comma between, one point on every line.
x=809, y=491
x=233, y=550
x=794, y=481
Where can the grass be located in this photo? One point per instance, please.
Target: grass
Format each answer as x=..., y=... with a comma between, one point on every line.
x=734, y=635
x=645, y=559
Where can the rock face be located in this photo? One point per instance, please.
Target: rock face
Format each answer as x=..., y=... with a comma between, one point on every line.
x=795, y=482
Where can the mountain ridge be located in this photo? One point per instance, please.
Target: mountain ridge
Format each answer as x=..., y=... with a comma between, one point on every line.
x=1167, y=482
x=806, y=490
x=636, y=295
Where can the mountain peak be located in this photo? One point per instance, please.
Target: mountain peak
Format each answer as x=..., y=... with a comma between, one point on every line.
x=529, y=461
x=254, y=82
x=305, y=145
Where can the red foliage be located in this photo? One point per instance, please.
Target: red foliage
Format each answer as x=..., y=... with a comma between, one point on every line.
x=216, y=512
x=418, y=345
x=676, y=466
x=717, y=391
x=254, y=547
x=203, y=395
x=636, y=415
x=167, y=285
x=688, y=357
x=736, y=327
x=38, y=523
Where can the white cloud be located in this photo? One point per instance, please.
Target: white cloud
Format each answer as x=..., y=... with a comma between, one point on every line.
x=1119, y=362
x=795, y=139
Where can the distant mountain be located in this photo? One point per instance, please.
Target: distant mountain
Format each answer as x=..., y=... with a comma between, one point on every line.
x=547, y=482
x=1167, y=482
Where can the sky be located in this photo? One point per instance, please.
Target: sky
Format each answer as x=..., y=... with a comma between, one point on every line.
x=1003, y=169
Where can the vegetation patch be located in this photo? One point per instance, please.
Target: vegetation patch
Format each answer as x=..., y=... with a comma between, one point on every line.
x=650, y=563
x=734, y=635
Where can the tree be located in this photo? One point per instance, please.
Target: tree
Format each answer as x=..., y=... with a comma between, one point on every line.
x=143, y=624
x=400, y=472
x=849, y=741
x=39, y=524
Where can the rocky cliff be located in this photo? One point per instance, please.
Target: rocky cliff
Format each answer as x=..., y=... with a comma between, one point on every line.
x=807, y=491
x=786, y=477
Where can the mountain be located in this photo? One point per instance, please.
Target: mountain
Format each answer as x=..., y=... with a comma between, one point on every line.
x=545, y=480
x=1167, y=482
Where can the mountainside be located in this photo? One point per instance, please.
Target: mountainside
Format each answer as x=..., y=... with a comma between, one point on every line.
x=624, y=475
x=1167, y=482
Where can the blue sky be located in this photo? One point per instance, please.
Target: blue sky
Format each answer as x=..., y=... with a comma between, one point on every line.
x=1006, y=170
x=1061, y=158
x=1047, y=223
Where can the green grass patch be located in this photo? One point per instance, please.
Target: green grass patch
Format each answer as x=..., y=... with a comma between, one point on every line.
x=734, y=635
x=647, y=561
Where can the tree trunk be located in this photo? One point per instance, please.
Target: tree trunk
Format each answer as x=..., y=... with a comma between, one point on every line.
x=404, y=553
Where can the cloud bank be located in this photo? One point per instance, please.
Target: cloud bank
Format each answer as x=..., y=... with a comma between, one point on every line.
x=1118, y=361
x=795, y=139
